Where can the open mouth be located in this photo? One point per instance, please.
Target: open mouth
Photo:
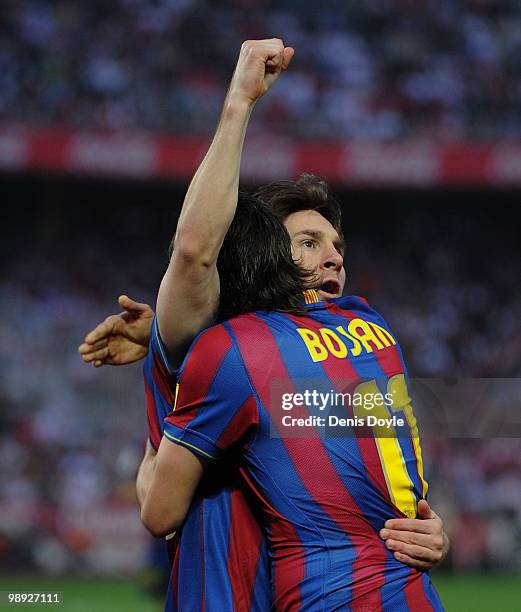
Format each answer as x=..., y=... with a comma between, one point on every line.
x=330, y=288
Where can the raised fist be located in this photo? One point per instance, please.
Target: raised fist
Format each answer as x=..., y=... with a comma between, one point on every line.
x=258, y=67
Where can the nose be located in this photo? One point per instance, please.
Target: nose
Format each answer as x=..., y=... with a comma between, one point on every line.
x=333, y=261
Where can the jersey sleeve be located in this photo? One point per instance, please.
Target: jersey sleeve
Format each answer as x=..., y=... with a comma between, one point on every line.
x=215, y=408
x=160, y=386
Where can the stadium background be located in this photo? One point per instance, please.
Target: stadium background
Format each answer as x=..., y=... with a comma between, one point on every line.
x=411, y=109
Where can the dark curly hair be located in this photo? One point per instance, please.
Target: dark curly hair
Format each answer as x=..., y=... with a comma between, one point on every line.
x=256, y=269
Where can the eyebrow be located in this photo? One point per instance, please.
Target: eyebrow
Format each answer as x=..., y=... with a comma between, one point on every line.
x=339, y=244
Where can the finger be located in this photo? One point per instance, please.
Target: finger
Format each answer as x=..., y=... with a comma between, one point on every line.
x=95, y=346
x=100, y=331
x=425, y=511
x=130, y=304
x=267, y=49
x=420, y=565
x=85, y=349
x=410, y=537
x=287, y=56
x=275, y=61
x=416, y=552
x=417, y=525
x=432, y=542
x=274, y=52
x=101, y=354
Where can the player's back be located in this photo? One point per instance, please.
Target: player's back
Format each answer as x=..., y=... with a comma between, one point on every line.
x=324, y=491
x=325, y=479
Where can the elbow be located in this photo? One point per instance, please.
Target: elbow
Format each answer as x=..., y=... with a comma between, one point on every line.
x=157, y=530
x=192, y=252
x=159, y=525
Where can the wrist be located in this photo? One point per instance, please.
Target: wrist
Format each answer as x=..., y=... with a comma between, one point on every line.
x=236, y=106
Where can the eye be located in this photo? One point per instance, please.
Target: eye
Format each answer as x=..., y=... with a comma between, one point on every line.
x=309, y=244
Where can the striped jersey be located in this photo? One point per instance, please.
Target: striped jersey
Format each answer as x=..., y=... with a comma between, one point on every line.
x=219, y=555
x=256, y=387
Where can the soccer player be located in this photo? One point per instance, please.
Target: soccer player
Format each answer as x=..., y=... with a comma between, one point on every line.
x=188, y=296
x=124, y=339
x=323, y=499
x=220, y=554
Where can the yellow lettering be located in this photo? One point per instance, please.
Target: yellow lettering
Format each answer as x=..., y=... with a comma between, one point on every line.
x=365, y=336
x=333, y=343
x=383, y=334
x=357, y=347
x=360, y=333
x=316, y=349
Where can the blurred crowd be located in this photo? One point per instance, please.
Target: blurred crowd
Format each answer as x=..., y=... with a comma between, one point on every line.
x=364, y=70
x=71, y=436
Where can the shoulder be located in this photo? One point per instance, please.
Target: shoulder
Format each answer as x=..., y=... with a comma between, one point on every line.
x=359, y=306
x=217, y=340
x=208, y=353
x=215, y=336
x=352, y=302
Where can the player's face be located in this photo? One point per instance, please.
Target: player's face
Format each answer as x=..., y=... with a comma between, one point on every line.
x=317, y=246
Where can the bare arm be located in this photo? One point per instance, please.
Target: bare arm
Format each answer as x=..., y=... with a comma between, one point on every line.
x=189, y=292
x=145, y=473
x=165, y=485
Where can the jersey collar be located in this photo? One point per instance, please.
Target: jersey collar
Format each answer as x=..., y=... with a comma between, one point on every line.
x=312, y=300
